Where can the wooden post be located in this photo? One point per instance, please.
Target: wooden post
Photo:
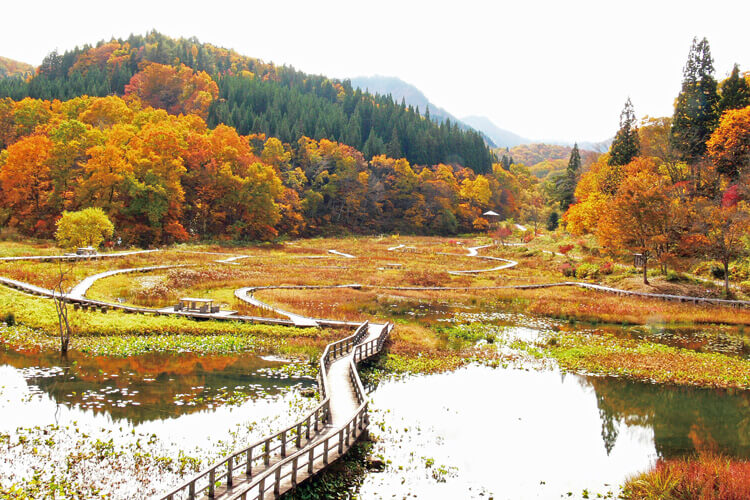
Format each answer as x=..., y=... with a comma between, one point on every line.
x=341, y=441
x=283, y=444
x=299, y=435
x=307, y=430
x=277, y=482
x=211, y=481
x=267, y=452
x=325, y=452
x=229, y=472
x=262, y=488
x=294, y=471
x=191, y=490
x=311, y=461
x=249, y=466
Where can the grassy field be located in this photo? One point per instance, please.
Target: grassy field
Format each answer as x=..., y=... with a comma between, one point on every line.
x=380, y=265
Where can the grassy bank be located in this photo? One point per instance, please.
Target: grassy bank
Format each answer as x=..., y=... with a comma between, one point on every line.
x=706, y=477
x=645, y=361
x=34, y=327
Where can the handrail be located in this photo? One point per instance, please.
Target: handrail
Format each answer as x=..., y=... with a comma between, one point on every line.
x=344, y=435
x=321, y=414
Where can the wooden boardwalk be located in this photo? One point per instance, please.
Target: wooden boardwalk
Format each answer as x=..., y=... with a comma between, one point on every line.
x=278, y=463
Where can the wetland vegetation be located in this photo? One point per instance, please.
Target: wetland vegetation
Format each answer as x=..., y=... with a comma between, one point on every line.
x=129, y=371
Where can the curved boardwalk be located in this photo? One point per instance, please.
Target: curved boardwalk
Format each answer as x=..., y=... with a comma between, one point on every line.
x=278, y=463
x=79, y=291
x=72, y=256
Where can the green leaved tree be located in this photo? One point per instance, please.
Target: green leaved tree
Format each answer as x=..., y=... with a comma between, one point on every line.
x=88, y=227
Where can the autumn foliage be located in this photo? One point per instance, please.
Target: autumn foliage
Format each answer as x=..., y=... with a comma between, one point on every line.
x=178, y=90
x=162, y=175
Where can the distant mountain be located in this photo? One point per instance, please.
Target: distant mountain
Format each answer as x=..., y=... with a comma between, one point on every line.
x=599, y=147
x=9, y=67
x=400, y=89
x=503, y=138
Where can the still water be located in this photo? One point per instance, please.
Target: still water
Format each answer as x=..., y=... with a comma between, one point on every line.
x=484, y=432
x=127, y=424
x=477, y=432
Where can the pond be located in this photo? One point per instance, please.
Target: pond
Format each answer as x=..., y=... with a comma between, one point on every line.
x=134, y=425
x=517, y=433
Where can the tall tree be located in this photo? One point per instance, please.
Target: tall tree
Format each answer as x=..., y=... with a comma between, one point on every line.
x=566, y=183
x=626, y=144
x=696, y=112
x=735, y=92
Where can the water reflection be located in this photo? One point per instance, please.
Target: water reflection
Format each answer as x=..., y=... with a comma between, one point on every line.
x=684, y=420
x=150, y=387
x=538, y=434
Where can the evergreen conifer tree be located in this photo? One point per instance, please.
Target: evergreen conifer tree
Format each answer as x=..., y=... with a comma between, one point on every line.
x=626, y=144
x=696, y=112
x=393, y=148
x=735, y=92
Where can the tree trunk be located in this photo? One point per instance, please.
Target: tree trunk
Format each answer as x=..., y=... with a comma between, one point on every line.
x=726, y=278
x=645, y=270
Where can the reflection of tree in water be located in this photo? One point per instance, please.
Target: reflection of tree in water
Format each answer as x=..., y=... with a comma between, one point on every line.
x=144, y=388
x=609, y=424
x=683, y=419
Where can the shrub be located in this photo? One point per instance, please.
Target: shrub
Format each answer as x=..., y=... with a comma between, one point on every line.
x=672, y=276
x=607, y=268
x=564, y=249
x=745, y=286
x=587, y=271
x=427, y=278
x=9, y=319
x=705, y=477
x=10, y=234
x=717, y=272
x=568, y=270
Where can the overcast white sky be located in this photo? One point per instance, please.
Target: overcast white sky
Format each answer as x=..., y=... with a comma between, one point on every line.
x=543, y=69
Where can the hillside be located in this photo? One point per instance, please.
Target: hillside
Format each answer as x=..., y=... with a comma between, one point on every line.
x=501, y=137
x=544, y=160
x=11, y=68
x=185, y=75
x=412, y=96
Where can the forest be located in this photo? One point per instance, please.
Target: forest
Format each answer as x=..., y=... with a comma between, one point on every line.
x=163, y=177
x=218, y=146
x=258, y=97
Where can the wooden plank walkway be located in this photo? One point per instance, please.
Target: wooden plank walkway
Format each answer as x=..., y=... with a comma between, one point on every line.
x=72, y=256
x=278, y=463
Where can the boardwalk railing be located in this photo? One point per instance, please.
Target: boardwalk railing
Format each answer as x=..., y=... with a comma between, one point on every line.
x=271, y=454
x=318, y=455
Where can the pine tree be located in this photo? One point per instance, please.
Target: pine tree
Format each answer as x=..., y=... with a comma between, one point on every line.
x=626, y=144
x=735, y=92
x=373, y=146
x=696, y=113
x=393, y=148
x=574, y=163
x=567, y=183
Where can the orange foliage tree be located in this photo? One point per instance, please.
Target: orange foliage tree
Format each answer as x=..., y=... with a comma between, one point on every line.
x=729, y=145
x=177, y=90
x=643, y=216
